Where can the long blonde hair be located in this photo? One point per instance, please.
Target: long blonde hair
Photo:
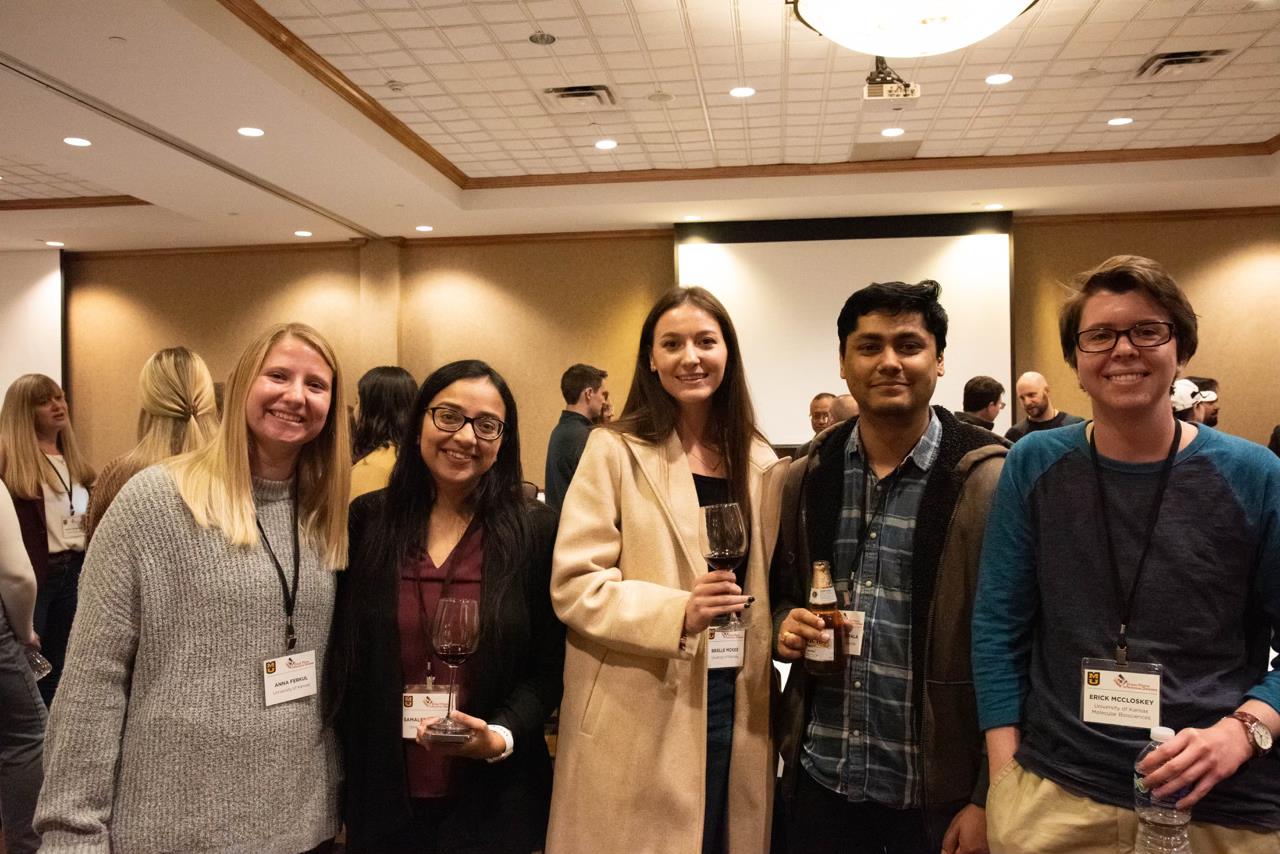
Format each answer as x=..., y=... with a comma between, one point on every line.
x=216, y=483
x=178, y=413
x=22, y=464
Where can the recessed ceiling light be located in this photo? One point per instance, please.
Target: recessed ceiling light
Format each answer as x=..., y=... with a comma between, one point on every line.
x=543, y=39
x=54, y=243
x=424, y=228
x=660, y=97
x=994, y=206
x=250, y=131
x=77, y=142
x=302, y=234
x=606, y=144
x=892, y=132
x=692, y=218
x=999, y=79
x=1119, y=121
x=742, y=91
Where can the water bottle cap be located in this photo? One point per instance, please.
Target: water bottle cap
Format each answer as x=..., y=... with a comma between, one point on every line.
x=1161, y=734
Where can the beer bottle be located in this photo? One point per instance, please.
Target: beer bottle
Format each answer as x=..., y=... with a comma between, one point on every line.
x=825, y=659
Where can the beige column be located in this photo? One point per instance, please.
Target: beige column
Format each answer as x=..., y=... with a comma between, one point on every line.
x=379, y=315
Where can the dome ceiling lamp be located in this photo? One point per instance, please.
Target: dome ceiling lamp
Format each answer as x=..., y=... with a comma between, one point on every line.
x=907, y=28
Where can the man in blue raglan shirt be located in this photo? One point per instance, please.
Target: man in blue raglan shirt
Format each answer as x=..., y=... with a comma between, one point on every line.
x=1130, y=577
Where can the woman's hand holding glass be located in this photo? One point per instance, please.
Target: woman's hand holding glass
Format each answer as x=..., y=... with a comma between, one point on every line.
x=715, y=594
x=484, y=743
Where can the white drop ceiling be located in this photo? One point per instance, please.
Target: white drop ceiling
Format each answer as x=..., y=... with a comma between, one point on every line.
x=160, y=86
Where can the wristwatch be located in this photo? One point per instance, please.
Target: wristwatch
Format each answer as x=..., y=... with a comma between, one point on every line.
x=1260, y=738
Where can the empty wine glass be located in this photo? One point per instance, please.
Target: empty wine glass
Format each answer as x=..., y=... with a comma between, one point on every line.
x=723, y=538
x=455, y=631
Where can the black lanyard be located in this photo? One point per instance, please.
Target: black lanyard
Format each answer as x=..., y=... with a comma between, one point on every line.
x=864, y=526
x=71, y=504
x=1126, y=601
x=290, y=596
x=425, y=620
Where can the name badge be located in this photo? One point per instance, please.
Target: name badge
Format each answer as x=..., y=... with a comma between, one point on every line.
x=855, y=623
x=289, y=677
x=420, y=703
x=725, y=647
x=1120, y=694
x=73, y=529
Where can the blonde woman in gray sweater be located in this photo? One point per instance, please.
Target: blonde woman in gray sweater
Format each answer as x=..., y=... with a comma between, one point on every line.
x=188, y=718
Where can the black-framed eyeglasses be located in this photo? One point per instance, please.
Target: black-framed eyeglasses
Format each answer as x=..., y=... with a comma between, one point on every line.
x=1150, y=333
x=450, y=420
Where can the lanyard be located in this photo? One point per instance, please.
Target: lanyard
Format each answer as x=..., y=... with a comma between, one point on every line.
x=864, y=527
x=290, y=596
x=71, y=504
x=424, y=619
x=1126, y=601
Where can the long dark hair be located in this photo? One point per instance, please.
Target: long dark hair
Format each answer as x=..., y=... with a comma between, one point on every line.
x=386, y=395
x=400, y=532
x=651, y=413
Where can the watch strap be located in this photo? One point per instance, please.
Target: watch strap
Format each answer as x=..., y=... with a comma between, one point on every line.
x=1250, y=722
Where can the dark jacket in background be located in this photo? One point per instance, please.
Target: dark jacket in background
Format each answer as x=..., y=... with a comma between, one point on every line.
x=948, y=544
x=1274, y=444
x=514, y=679
x=35, y=533
x=966, y=418
x=564, y=449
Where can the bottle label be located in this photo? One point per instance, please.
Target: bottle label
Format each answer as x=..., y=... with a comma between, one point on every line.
x=817, y=650
x=822, y=596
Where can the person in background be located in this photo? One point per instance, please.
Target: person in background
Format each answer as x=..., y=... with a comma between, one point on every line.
x=1208, y=407
x=1033, y=394
x=983, y=402
x=885, y=755
x=1183, y=398
x=385, y=395
x=1133, y=541
x=658, y=751
x=606, y=413
x=451, y=522
x=22, y=712
x=586, y=394
x=49, y=479
x=820, y=411
x=178, y=415
x=844, y=407
x=189, y=719
x=1274, y=443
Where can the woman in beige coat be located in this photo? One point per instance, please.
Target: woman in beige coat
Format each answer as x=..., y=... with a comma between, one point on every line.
x=657, y=753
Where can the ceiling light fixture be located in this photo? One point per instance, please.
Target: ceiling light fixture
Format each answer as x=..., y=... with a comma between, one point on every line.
x=254, y=132
x=542, y=39
x=692, y=218
x=77, y=142
x=1120, y=121
x=999, y=79
x=994, y=206
x=892, y=132
x=302, y=234
x=606, y=144
x=742, y=91
x=56, y=244
x=424, y=228
x=907, y=28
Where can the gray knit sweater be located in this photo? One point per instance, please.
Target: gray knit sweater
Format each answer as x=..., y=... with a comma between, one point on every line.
x=160, y=740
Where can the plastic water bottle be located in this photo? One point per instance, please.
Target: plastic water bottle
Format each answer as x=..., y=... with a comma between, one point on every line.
x=1162, y=827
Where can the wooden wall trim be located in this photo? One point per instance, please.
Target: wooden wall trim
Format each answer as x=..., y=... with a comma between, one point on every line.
x=1145, y=216
x=550, y=237
x=353, y=245
x=320, y=68
x=70, y=202
x=867, y=167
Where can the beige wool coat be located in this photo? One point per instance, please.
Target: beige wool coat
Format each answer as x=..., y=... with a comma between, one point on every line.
x=631, y=762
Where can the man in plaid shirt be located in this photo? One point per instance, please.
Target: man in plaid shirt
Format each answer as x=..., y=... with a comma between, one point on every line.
x=886, y=756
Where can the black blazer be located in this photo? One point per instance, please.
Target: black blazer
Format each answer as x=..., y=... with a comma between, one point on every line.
x=515, y=679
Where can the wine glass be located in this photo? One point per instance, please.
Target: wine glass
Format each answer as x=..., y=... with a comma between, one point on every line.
x=723, y=538
x=455, y=631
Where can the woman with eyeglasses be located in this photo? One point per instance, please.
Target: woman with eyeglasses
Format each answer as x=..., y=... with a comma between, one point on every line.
x=452, y=523
x=189, y=717
x=49, y=479
x=659, y=750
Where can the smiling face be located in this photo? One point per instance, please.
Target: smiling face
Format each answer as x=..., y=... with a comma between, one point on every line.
x=458, y=460
x=289, y=399
x=51, y=415
x=689, y=355
x=1126, y=380
x=891, y=365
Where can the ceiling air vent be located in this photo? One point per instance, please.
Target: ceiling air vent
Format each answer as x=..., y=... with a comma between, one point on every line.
x=1182, y=65
x=579, y=99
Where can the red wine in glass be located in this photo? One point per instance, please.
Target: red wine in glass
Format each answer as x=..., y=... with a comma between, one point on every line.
x=723, y=538
x=455, y=632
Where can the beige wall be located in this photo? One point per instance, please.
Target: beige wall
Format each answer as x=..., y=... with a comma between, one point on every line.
x=1229, y=266
x=531, y=308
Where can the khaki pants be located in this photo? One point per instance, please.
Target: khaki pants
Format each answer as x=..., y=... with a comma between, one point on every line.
x=1027, y=814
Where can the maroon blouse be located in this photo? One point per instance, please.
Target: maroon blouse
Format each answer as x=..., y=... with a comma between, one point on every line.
x=422, y=585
